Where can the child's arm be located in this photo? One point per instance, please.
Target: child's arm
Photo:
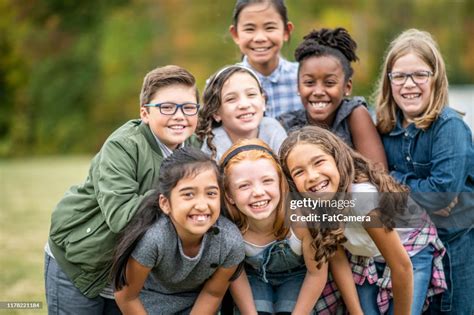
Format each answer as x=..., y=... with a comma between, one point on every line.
x=211, y=295
x=128, y=298
x=315, y=279
x=365, y=137
x=116, y=185
x=242, y=294
x=342, y=273
x=451, y=150
x=400, y=265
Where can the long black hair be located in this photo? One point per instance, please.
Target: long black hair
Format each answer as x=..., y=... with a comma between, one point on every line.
x=183, y=163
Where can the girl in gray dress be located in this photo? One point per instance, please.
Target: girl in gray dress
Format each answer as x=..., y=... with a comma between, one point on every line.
x=178, y=255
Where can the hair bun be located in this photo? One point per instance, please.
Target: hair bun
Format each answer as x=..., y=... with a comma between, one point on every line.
x=337, y=38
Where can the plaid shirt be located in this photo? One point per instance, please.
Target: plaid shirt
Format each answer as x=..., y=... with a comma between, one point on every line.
x=363, y=269
x=280, y=87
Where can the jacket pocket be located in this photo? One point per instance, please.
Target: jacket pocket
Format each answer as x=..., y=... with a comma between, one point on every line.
x=90, y=245
x=86, y=229
x=422, y=170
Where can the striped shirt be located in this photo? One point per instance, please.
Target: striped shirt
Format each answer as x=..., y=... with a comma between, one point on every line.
x=280, y=87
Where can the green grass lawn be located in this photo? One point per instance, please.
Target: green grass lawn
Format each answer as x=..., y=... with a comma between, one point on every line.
x=29, y=190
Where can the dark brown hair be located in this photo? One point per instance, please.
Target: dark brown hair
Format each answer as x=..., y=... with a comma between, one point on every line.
x=279, y=5
x=352, y=168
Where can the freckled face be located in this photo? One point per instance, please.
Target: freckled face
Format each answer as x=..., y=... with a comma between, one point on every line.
x=255, y=188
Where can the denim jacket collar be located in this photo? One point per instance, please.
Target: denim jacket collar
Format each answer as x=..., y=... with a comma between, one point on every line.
x=410, y=130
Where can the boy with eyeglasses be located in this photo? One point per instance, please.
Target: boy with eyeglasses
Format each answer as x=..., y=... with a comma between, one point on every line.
x=85, y=223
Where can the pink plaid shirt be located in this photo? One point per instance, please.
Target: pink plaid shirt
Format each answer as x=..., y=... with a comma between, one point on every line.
x=363, y=269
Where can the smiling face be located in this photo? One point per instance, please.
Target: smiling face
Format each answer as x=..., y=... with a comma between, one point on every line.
x=172, y=130
x=411, y=98
x=242, y=106
x=260, y=34
x=194, y=204
x=254, y=188
x=312, y=169
x=322, y=86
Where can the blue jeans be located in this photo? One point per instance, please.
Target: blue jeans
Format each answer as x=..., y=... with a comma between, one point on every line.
x=422, y=269
x=279, y=294
x=458, y=266
x=63, y=297
x=275, y=276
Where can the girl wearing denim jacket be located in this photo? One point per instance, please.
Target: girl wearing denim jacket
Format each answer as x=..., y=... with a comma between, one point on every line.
x=281, y=274
x=429, y=149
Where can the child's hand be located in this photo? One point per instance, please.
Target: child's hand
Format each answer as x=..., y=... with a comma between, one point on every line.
x=445, y=212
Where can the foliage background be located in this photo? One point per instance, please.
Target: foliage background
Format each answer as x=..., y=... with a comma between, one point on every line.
x=71, y=71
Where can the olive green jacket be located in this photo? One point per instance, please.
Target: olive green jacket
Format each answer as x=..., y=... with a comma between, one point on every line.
x=85, y=223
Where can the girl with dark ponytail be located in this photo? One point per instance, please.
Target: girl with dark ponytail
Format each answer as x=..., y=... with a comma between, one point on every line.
x=178, y=254
x=324, y=84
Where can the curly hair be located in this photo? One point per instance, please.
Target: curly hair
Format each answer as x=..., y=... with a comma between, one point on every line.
x=280, y=230
x=329, y=42
x=353, y=168
x=212, y=100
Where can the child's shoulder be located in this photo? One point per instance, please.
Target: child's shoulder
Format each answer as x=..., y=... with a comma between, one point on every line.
x=450, y=120
x=289, y=66
x=363, y=187
x=269, y=123
x=224, y=224
x=161, y=231
x=229, y=232
x=449, y=113
x=293, y=120
x=129, y=128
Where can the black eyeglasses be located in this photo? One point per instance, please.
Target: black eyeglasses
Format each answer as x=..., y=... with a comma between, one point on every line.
x=400, y=78
x=168, y=108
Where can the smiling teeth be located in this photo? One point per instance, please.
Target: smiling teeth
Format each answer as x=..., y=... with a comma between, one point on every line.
x=320, y=186
x=260, y=49
x=259, y=204
x=200, y=217
x=319, y=105
x=246, y=115
x=411, y=96
x=177, y=127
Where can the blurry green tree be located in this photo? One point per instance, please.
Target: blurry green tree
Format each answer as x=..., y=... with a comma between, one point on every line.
x=71, y=71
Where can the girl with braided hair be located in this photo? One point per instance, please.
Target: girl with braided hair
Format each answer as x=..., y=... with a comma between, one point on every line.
x=324, y=84
x=234, y=103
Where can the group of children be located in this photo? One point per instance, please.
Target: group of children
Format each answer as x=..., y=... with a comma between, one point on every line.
x=167, y=221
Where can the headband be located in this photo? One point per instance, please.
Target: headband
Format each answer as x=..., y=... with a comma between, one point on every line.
x=250, y=71
x=243, y=148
